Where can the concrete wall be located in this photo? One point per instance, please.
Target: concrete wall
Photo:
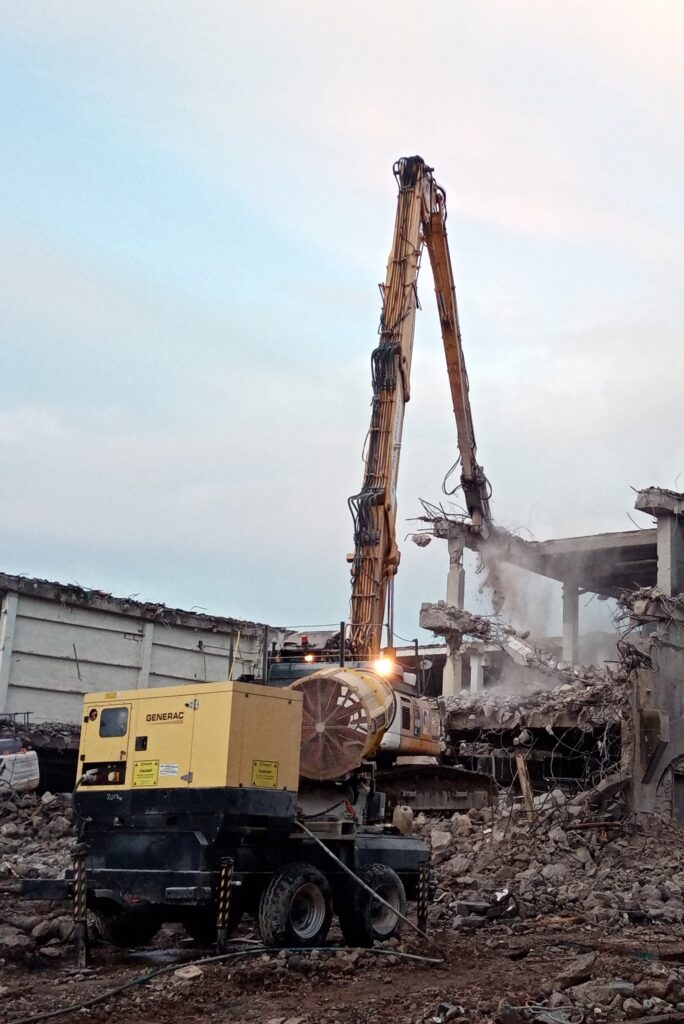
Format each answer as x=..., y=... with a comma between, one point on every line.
x=51, y=653
x=658, y=701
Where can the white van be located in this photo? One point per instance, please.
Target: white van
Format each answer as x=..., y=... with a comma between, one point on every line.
x=19, y=770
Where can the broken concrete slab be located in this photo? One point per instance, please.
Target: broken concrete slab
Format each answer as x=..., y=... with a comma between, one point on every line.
x=600, y=992
x=577, y=971
x=443, y=618
x=660, y=501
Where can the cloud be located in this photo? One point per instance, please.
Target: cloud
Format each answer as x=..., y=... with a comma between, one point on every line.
x=190, y=405
x=531, y=113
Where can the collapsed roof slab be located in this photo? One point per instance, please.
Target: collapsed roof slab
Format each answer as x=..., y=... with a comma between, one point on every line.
x=581, y=703
x=603, y=563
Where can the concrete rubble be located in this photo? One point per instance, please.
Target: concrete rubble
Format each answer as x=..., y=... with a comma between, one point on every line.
x=581, y=868
x=445, y=618
x=36, y=836
x=579, y=871
x=588, y=697
x=575, y=857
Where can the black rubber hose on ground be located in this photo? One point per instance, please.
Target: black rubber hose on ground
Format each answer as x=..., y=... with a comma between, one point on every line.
x=142, y=979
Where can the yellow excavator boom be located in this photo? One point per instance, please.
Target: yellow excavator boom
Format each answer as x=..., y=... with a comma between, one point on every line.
x=420, y=219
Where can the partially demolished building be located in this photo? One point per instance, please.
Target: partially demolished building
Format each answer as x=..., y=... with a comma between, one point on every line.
x=59, y=641
x=555, y=722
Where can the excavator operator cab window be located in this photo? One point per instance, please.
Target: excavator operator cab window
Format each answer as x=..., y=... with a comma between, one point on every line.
x=114, y=722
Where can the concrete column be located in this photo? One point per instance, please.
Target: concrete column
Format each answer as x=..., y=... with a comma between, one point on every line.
x=8, y=619
x=668, y=509
x=670, y=545
x=477, y=667
x=570, y=622
x=456, y=579
x=452, y=678
x=146, y=656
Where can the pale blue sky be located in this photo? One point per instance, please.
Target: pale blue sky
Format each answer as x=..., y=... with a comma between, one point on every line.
x=196, y=207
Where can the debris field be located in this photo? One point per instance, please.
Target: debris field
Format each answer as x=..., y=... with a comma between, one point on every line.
x=571, y=910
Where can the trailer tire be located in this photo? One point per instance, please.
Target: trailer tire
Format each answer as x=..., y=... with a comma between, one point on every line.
x=127, y=928
x=364, y=920
x=296, y=907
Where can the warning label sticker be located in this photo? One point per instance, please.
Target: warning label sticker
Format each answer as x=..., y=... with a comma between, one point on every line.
x=265, y=774
x=145, y=773
x=169, y=769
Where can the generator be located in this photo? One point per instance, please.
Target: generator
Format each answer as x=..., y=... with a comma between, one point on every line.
x=190, y=808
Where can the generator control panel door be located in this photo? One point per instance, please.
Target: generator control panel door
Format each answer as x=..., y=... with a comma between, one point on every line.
x=105, y=735
x=106, y=728
x=161, y=741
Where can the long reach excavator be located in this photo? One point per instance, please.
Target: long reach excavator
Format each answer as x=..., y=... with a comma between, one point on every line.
x=420, y=220
x=367, y=685
x=196, y=804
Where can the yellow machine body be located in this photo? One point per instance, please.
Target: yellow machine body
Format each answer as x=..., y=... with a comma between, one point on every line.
x=228, y=734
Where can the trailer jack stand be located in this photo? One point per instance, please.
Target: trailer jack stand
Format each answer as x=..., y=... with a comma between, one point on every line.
x=225, y=885
x=423, y=881
x=80, y=907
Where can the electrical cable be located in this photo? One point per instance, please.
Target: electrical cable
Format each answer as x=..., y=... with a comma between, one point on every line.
x=328, y=810
x=142, y=979
x=404, y=638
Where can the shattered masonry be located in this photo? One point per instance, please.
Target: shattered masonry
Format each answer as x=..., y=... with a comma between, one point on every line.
x=590, y=722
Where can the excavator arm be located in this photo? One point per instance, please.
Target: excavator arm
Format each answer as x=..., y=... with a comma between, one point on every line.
x=475, y=486
x=420, y=219
x=374, y=509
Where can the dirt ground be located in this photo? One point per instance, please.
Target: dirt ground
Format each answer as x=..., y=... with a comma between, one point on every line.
x=597, y=935
x=518, y=964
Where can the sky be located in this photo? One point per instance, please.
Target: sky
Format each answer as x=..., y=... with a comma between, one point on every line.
x=197, y=205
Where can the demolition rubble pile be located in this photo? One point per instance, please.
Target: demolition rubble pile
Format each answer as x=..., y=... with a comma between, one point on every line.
x=56, y=735
x=35, y=841
x=587, y=695
x=597, y=891
x=576, y=859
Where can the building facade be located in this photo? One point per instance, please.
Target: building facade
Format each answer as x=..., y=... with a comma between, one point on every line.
x=59, y=641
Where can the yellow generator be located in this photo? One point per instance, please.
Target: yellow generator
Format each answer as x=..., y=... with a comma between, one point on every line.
x=232, y=736
x=189, y=811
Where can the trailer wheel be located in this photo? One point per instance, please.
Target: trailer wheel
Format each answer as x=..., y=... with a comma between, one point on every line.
x=296, y=907
x=127, y=928
x=364, y=920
